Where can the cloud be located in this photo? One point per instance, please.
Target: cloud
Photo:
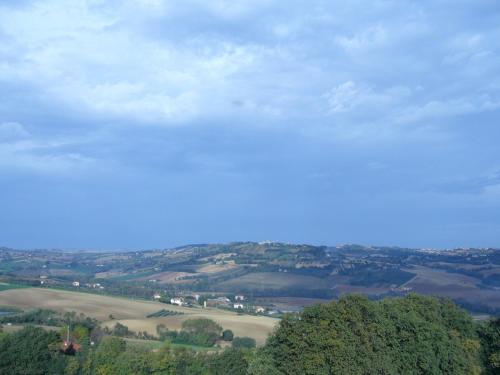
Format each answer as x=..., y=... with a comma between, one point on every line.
x=161, y=62
x=313, y=115
x=21, y=151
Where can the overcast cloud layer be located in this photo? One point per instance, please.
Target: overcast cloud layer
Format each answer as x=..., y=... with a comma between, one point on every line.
x=148, y=123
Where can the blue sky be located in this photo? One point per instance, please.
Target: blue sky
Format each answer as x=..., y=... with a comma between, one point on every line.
x=149, y=123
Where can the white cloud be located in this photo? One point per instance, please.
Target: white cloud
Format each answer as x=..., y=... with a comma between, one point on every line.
x=92, y=60
x=153, y=61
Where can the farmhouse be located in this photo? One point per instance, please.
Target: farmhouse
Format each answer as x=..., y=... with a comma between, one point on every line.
x=177, y=301
x=238, y=305
x=157, y=296
x=76, y=283
x=259, y=309
x=239, y=297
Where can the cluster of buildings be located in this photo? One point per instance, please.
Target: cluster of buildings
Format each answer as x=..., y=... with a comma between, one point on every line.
x=88, y=285
x=238, y=303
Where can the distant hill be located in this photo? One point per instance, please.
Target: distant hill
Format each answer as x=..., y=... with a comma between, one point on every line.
x=471, y=277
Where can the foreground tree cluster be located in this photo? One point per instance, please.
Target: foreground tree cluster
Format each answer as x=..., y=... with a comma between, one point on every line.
x=411, y=335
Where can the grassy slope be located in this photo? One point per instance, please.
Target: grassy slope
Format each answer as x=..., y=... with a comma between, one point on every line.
x=133, y=312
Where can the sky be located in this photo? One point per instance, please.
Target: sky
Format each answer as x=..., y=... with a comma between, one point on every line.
x=139, y=124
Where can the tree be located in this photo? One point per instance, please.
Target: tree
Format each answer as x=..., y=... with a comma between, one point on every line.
x=72, y=366
x=227, y=335
x=411, y=335
x=490, y=342
x=200, y=331
x=107, y=354
x=121, y=330
x=262, y=363
x=244, y=342
x=230, y=361
x=31, y=351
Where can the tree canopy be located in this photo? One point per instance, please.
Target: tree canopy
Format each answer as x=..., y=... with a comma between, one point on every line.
x=412, y=335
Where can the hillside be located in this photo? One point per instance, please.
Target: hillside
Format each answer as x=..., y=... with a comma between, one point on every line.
x=287, y=273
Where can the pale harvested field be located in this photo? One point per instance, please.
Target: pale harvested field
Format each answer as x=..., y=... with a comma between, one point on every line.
x=167, y=277
x=133, y=312
x=257, y=327
x=216, y=268
x=220, y=256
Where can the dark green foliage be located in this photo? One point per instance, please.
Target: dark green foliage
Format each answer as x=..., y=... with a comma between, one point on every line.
x=244, y=342
x=231, y=361
x=262, y=363
x=31, y=351
x=412, y=335
x=37, y=316
x=200, y=331
x=105, y=359
x=49, y=317
x=490, y=344
x=227, y=335
x=121, y=330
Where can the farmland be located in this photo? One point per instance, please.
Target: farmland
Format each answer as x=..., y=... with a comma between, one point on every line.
x=266, y=270
x=272, y=280
x=133, y=313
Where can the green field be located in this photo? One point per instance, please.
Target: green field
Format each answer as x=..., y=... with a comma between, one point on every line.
x=4, y=286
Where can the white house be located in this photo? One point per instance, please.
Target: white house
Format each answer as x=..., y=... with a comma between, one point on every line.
x=76, y=283
x=176, y=301
x=157, y=296
x=238, y=306
x=259, y=309
x=239, y=298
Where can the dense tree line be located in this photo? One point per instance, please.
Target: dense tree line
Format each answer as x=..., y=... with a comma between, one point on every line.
x=411, y=335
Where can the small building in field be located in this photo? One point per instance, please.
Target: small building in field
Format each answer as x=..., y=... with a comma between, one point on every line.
x=76, y=283
x=238, y=306
x=259, y=309
x=239, y=297
x=157, y=296
x=177, y=301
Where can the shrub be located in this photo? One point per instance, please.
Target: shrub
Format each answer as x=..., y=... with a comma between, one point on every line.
x=244, y=342
x=227, y=335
